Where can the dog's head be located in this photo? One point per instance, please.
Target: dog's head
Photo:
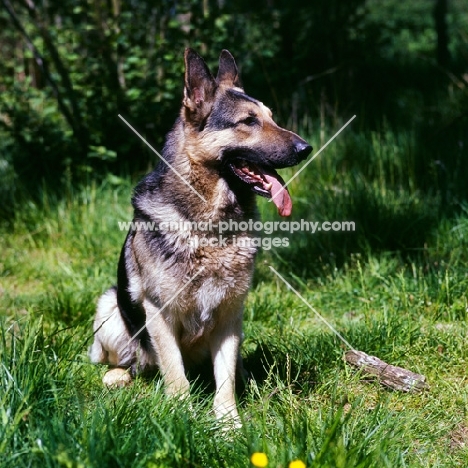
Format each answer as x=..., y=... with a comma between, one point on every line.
x=237, y=131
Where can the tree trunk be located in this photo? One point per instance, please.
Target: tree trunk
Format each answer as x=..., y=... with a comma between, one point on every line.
x=440, y=19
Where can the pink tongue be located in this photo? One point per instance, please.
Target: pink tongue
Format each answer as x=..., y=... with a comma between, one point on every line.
x=279, y=195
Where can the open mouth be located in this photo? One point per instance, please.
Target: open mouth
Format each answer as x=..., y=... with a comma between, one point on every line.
x=265, y=182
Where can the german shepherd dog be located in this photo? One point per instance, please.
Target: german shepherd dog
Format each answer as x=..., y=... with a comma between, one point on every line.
x=178, y=301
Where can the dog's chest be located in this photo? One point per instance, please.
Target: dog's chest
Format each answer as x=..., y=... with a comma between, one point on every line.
x=225, y=272
x=220, y=279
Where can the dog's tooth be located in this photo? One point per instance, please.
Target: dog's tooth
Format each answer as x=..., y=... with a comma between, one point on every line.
x=268, y=186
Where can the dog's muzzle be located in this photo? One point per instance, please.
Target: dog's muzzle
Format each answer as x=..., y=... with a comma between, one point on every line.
x=302, y=150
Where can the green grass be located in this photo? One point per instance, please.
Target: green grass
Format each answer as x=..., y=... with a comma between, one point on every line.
x=396, y=288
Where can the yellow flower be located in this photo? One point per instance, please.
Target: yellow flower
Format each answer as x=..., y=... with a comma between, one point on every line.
x=297, y=464
x=259, y=459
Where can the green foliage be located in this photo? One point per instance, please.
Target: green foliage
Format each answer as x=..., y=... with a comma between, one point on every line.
x=313, y=64
x=396, y=287
x=302, y=403
x=102, y=60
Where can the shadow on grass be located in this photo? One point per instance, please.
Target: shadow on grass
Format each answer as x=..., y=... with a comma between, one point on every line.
x=380, y=226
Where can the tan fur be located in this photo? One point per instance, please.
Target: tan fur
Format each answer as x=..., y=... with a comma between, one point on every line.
x=188, y=319
x=117, y=377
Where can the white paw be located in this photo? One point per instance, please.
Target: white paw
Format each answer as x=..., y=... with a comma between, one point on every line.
x=228, y=417
x=117, y=377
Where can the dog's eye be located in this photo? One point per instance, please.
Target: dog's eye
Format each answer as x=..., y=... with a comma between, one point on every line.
x=250, y=121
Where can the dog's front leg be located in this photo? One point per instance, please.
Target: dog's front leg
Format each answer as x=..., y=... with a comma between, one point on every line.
x=164, y=339
x=224, y=346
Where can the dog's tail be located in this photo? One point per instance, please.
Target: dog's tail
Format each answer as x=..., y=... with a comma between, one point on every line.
x=108, y=329
x=113, y=344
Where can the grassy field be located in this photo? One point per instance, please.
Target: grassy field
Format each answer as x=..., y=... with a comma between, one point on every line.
x=396, y=288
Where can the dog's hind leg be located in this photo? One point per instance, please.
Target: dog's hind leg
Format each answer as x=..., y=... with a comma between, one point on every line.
x=112, y=343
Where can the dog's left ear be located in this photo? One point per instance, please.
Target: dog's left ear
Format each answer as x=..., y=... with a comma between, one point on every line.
x=227, y=72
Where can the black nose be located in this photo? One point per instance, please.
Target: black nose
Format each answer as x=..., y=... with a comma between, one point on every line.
x=302, y=149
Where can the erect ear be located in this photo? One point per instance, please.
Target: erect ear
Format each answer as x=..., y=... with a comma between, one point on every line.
x=227, y=72
x=199, y=84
